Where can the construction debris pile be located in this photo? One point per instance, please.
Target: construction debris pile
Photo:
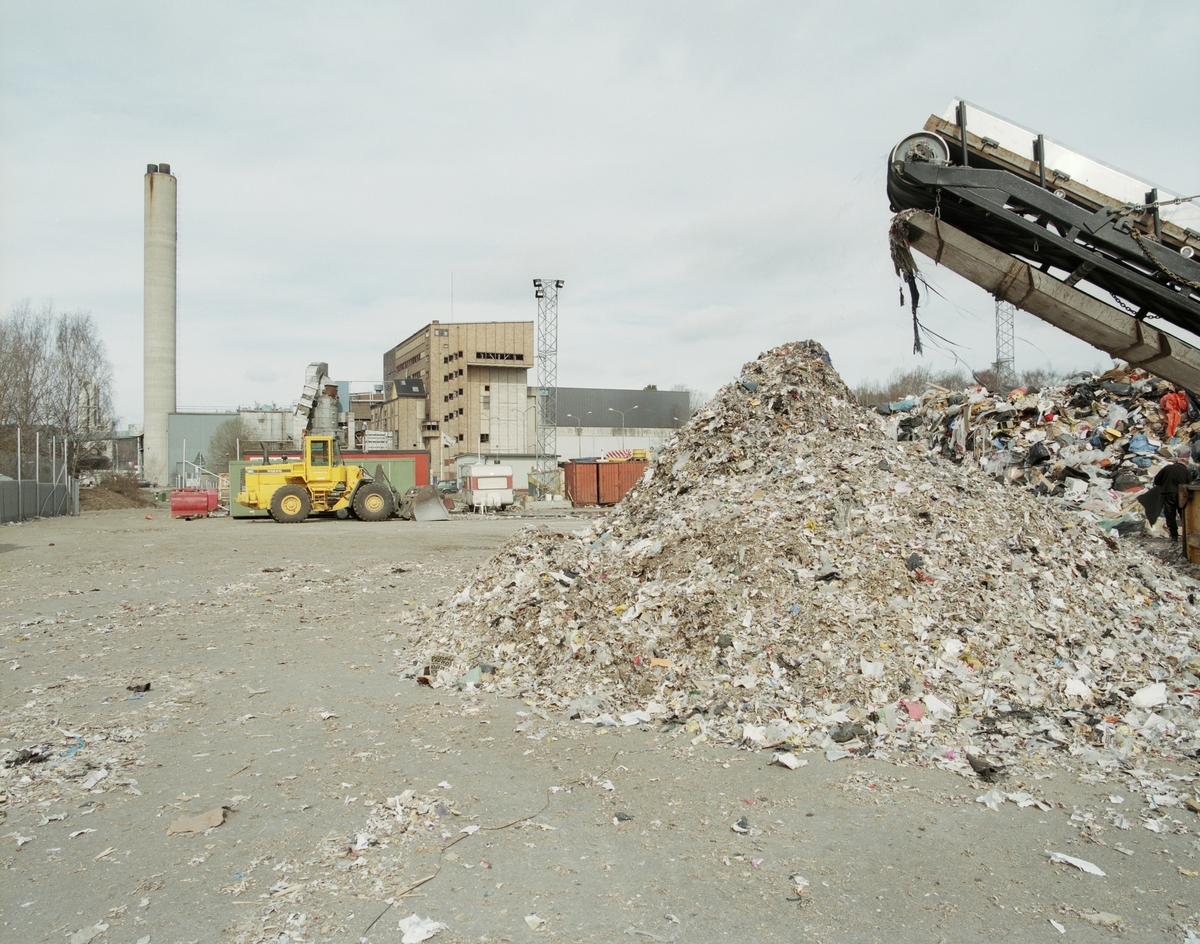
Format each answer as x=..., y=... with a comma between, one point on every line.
x=787, y=575
x=1095, y=442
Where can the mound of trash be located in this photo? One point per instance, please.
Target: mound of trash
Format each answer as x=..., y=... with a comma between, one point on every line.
x=1093, y=442
x=785, y=574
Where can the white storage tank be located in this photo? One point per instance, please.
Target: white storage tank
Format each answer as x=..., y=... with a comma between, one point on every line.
x=487, y=485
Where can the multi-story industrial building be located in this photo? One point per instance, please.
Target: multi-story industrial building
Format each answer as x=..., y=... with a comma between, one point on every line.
x=472, y=396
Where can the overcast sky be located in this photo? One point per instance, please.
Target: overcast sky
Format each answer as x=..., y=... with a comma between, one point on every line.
x=707, y=178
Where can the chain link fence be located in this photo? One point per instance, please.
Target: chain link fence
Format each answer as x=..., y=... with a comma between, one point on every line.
x=34, y=479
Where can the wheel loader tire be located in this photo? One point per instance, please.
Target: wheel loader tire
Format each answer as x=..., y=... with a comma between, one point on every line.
x=373, y=503
x=290, y=504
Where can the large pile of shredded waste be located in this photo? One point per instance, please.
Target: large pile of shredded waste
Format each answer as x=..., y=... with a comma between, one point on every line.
x=788, y=575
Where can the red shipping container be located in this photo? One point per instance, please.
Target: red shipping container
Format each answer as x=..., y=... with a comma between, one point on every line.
x=616, y=479
x=630, y=475
x=582, y=483
x=610, y=482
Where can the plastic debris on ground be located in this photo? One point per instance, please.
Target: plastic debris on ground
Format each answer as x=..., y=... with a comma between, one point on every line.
x=415, y=929
x=787, y=576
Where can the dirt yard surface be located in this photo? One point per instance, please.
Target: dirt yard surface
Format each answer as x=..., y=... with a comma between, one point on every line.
x=106, y=499
x=333, y=785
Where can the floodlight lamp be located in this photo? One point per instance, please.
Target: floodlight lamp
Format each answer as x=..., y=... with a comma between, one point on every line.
x=537, y=283
x=539, y=293
x=558, y=283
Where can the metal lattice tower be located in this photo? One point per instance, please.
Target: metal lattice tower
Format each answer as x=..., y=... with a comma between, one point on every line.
x=546, y=449
x=1006, y=374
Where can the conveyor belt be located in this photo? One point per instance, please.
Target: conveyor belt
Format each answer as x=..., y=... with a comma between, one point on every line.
x=1078, y=313
x=1060, y=228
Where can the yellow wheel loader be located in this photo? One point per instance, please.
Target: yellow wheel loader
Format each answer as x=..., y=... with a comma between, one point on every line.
x=319, y=484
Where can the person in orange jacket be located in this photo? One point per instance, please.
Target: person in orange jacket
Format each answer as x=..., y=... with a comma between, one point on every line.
x=1176, y=406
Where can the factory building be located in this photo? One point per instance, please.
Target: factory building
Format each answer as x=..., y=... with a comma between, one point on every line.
x=461, y=391
x=472, y=395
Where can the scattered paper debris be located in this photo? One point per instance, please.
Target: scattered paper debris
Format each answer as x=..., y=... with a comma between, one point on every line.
x=415, y=929
x=1151, y=696
x=84, y=935
x=198, y=823
x=94, y=778
x=1082, y=864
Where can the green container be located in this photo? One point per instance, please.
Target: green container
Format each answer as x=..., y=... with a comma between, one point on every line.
x=237, y=482
x=401, y=472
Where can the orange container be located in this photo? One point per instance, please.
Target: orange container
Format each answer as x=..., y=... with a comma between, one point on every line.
x=630, y=474
x=581, y=482
x=609, y=474
x=616, y=479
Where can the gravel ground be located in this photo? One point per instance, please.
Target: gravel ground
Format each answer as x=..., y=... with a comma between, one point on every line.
x=270, y=652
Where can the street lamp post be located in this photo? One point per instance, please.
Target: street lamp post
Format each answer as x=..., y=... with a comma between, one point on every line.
x=529, y=409
x=578, y=432
x=622, y=412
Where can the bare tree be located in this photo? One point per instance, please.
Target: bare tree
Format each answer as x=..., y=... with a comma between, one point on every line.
x=904, y=383
x=55, y=376
x=914, y=382
x=25, y=382
x=81, y=398
x=696, y=398
x=223, y=445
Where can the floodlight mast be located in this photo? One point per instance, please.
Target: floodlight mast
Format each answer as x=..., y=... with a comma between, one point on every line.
x=1006, y=373
x=544, y=480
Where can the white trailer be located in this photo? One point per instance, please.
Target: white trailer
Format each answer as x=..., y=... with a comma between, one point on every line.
x=487, y=486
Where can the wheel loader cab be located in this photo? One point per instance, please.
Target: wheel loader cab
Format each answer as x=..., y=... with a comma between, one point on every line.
x=320, y=457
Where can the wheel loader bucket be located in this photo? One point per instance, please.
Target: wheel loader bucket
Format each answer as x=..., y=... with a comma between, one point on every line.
x=423, y=504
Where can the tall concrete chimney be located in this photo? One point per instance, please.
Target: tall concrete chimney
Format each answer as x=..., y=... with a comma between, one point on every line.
x=158, y=320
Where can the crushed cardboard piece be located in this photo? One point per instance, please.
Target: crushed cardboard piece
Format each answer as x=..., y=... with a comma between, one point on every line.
x=199, y=823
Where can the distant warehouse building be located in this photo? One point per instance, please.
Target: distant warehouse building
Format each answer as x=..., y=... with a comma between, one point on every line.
x=593, y=421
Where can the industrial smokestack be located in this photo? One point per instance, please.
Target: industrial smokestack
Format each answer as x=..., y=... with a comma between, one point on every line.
x=158, y=320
